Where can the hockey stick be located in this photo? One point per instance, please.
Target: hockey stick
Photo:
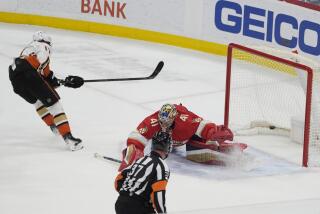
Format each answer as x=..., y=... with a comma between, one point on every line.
x=105, y=158
x=152, y=76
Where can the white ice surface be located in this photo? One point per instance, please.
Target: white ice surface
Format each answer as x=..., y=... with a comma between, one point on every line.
x=39, y=175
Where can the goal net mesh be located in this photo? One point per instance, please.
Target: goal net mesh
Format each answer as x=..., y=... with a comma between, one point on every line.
x=267, y=90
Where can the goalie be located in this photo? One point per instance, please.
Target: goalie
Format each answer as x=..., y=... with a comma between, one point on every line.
x=202, y=138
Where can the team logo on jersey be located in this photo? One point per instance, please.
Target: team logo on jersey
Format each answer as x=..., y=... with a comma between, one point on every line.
x=197, y=120
x=143, y=130
x=154, y=122
x=184, y=117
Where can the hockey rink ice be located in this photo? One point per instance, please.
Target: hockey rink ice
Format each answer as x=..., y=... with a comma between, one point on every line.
x=39, y=175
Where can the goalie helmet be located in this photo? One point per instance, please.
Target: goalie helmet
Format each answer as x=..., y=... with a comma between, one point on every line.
x=41, y=36
x=166, y=116
x=161, y=141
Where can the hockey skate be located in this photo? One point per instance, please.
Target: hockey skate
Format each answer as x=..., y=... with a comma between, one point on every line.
x=73, y=143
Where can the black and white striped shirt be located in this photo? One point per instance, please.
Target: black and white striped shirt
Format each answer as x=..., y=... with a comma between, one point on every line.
x=146, y=179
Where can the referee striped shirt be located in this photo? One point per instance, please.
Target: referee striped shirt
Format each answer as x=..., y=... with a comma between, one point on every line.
x=146, y=179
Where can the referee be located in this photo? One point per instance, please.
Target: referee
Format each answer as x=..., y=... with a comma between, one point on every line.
x=142, y=185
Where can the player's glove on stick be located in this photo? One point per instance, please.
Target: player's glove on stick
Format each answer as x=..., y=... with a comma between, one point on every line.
x=52, y=80
x=129, y=155
x=73, y=81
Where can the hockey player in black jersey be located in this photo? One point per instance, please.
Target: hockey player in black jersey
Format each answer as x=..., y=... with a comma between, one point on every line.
x=33, y=80
x=142, y=185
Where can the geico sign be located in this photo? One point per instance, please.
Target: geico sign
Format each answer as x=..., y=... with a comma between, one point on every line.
x=266, y=25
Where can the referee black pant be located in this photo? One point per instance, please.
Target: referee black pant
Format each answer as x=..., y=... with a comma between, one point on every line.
x=130, y=205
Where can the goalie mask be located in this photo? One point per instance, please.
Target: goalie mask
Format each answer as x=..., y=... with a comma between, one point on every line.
x=161, y=141
x=41, y=36
x=166, y=116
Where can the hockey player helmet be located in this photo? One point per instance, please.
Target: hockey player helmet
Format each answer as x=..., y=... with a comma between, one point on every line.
x=41, y=36
x=161, y=141
x=166, y=115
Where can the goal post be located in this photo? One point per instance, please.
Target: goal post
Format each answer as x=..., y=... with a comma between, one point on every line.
x=266, y=89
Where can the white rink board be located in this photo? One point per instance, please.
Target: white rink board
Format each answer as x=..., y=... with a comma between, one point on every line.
x=194, y=19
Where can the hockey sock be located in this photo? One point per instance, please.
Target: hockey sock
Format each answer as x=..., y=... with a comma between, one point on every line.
x=60, y=118
x=44, y=113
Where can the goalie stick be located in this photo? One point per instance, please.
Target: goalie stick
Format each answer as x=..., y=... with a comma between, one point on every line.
x=105, y=158
x=152, y=76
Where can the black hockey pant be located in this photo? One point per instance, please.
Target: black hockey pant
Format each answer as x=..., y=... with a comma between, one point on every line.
x=129, y=205
x=28, y=83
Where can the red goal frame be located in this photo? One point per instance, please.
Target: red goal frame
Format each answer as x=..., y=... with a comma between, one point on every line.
x=309, y=71
x=303, y=4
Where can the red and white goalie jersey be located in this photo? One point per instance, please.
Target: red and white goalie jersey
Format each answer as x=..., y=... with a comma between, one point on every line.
x=185, y=125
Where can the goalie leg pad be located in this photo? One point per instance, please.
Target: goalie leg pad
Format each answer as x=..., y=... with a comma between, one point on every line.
x=226, y=146
x=202, y=153
x=205, y=153
x=229, y=146
x=129, y=155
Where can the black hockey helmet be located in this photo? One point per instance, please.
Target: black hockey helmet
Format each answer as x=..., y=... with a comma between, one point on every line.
x=161, y=141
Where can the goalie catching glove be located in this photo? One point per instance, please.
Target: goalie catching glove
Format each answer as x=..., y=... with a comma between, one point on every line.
x=73, y=81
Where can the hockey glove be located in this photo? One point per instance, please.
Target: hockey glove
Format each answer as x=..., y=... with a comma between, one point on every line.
x=52, y=80
x=73, y=81
x=129, y=155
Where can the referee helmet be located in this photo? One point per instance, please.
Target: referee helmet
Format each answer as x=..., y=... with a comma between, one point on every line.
x=161, y=141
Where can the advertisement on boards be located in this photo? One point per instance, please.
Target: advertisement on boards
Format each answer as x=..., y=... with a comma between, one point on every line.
x=166, y=16
x=104, y=8
x=264, y=23
x=249, y=22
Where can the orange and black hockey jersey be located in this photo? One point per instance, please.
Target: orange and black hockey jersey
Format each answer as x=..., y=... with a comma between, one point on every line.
x=38, y=56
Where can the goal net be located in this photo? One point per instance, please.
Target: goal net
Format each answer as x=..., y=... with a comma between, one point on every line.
x=274, y=92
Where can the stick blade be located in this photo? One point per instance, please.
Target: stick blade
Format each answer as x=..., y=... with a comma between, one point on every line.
x=157, y=70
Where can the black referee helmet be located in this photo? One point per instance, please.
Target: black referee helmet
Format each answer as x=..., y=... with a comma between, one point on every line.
x=161, y=141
